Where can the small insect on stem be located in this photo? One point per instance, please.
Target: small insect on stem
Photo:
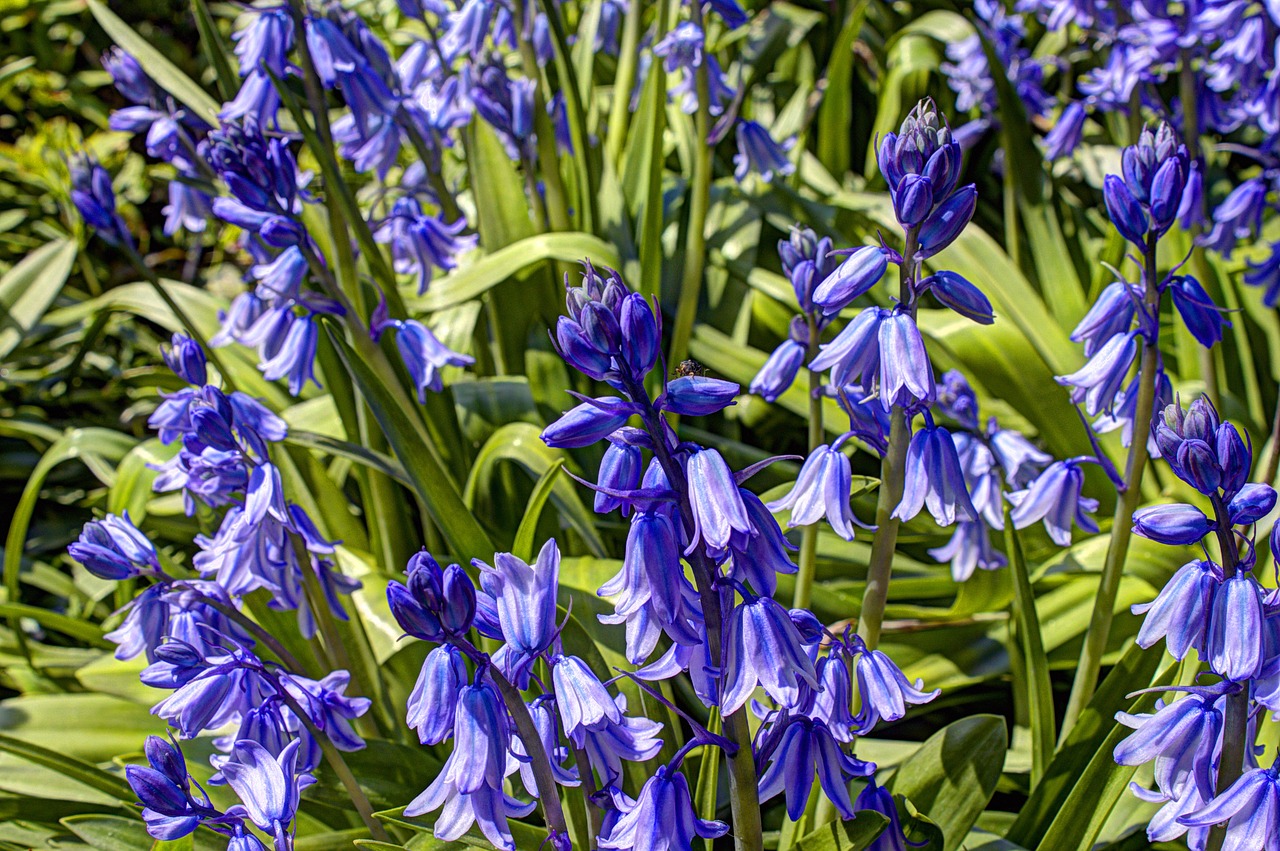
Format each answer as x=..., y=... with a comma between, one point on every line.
x=690, y=367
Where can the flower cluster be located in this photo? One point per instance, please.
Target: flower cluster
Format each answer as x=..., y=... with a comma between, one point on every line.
x=191, y=631
x=1206, y=770
x=1142, y=204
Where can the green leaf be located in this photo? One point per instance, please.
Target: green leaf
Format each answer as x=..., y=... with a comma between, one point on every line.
x=835, y=115
x=522, y=444
x=115, y=833
x=159, y=68
x=27, y=290
x=408, y=441
x=351, y=451
x=1026, y=628
x=953, y=775
x=523, y=546
x=1085, y=741
x=841, y=835
x=89, y=633
x=90, y=775
x=215, y=49
x=486, y=273
x=135, y=475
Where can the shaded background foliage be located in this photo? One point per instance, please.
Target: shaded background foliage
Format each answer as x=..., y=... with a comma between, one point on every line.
x=80, y=371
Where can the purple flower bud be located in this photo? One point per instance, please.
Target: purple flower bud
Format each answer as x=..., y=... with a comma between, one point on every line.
x=113, y=548
x=1234, y=457
x=961, y=296
x=1202, y=317
x=413, y=618
x=579, y=352
x=1175, y=524
x=167, y=758
x=947, y=221
x=1066, y=133
x=859, y=272
x=587, y=423
x=458, y=595
x=1166, y=194
x=913, y=200
x=1197, y=465
x=639, y=334
x=619, y=470
x=779, y=371
x=698, y=396
x=161, y=795
x=943, y=170
x=1252, y=503
x=1125, y=211
x=186, y=359
x=601, y=328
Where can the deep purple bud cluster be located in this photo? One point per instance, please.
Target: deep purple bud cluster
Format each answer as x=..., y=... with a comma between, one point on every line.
x=1144, y=202
x=1219, y=609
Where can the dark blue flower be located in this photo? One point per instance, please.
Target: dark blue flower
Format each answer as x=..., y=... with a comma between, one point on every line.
x=1067, y=132
x=94, y=197
x=1098, y=383
x=759, y=153
x=766, y=554
x=1111, y=314
x=698, y=395
x=1180, y=738
x=1203, y=318
x=1238, y=217
x=661, y=818
x=113, y=548
x=525, y=598
x=1266, y=275
x=855, y=276
x=762, y=646
x=961, y=296
x=1175, y=524
x=431, y=704
x=947, y=221
x=420, y=242
x=1180, y=612
x=854, y=355
x=423, y=354
x=807, y=748
x=619, y=471
x=588, y=423
x=779, y=371
x=934, y=479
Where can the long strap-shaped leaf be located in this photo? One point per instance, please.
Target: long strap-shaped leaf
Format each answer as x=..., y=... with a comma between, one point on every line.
x=408, y=439
x=68, y=766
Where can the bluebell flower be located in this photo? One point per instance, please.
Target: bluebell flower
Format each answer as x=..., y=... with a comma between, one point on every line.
x=1067, y=132
x=507, y=105
x=779, y=371
x=807, y=748
x=1248, y=807
x=543, y=714
x=653, y=586
x=262, y=176
x=719, y=517
x=94, y=197
x=1202, y=317
x=947, y=221
x=431, y=704
x=266, y=785
x=759, y=153
x=906, y=376
x=953, y=291
x=420, y=242
x=1099, y=381
x=969, y=549
x=424, y=356
x=587, y=423
x=113, y=548
x=470, y=786
x=1233, y=645
x=257, y=100
x=608, y=744
x=127, y=76
x=684, y=49
x=216, y=696
x=1055, y=497
x=934, y=479
x=619, y=471
x=1017, y=456
x=1111, y=315
x=762, y=646
x=1266, y=275
x=833, y=697
x=877, y=799
x=822, y=489
x=525, y=598
x=766, y=554
x=163, y=788
x=698, y=395
x=1180, y=612
x=1174, y=524
x=885, y=691
x=662, y=818
x=296, y=356
x=855, y=276
x=1180, y=738
x=266, y=42
x=854, y=355
x=1252, y=503
x=582, y=699
x=1238, y=217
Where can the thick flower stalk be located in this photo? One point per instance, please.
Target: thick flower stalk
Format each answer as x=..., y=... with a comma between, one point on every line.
x=1202, y=743
x=1121, y=330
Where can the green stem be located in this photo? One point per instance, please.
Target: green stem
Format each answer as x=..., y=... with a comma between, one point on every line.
x=544, y=779
x=892, y=476
x=1095, y=640
x=695, y=237
x=557, y=203
x=809, y=536
x=595, y=816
